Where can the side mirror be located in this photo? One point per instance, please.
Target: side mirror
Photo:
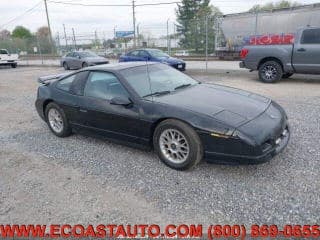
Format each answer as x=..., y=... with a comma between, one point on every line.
x=123, y=101
x=79, y=57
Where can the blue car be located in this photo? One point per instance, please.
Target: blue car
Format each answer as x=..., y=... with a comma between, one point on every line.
x=153, y=55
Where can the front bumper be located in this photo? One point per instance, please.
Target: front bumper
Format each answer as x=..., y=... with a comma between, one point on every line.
x=98, y=63
x=275, y=147
x=179, y=66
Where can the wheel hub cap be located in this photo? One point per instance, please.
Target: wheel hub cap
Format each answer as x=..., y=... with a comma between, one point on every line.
x=174, y=145
x=55, y=120
x=269, y=72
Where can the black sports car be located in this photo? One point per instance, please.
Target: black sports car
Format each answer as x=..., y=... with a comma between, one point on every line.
x=154, y=105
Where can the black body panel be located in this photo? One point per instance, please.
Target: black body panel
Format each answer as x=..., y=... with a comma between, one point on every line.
x=233, y=125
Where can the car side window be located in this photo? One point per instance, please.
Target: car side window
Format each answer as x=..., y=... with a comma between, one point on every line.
x=143, y=54
x=69, y=55
x=79, y=83
x=104, y=85
x=134, y=53
x=65, y=84
x=311, y=36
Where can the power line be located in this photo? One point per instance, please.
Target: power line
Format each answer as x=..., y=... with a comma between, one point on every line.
x=112, y=5
x=21, y=15
x=156, y=4
x=91, y=5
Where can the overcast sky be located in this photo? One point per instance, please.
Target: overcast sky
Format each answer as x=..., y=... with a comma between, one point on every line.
x=85, y=20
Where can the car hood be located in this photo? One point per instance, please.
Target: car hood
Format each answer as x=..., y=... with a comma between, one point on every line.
x=171, y=60
x=96, y=59
x=231, y=106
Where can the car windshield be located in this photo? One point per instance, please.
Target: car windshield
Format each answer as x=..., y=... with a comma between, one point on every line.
x=157, y=53
x=87, y=54
x=3, y=51
x=162, y=79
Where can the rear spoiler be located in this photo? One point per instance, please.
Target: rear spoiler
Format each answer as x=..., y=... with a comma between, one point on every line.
x=45, y=80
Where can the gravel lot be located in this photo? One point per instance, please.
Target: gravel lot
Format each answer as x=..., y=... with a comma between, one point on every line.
x=45, y=179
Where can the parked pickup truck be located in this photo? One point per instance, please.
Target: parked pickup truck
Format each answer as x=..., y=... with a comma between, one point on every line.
x=281, y=61
x=8, y=59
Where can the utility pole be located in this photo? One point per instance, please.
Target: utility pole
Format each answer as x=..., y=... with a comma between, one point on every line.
x=134, y=23
x=168, y=47
x=58, y=42
x=74, y=40
x=174, y=36
x=216, y=32
x=138, y=33
x=65, y=36
x=39, y=47
x=49, y=28
x=114, y=36
x=206, y=43
x=96, y=39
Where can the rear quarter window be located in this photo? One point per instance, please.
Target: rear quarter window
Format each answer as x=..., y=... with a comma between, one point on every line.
x=65, y=84
x=311, y=36
x=133, y=53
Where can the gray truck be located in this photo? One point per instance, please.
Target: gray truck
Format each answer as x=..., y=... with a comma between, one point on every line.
x=281, y=61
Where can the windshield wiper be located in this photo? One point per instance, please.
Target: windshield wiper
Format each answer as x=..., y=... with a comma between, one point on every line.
x=182, y=86
x=157, y=93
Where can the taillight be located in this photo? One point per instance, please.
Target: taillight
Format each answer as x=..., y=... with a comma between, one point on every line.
x=244, y=52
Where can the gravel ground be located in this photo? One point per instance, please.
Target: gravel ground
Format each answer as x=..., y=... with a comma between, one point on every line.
x=79, y=179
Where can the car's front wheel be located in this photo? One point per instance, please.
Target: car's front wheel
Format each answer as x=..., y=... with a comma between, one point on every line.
x=57, y=120
x=84, y=65
x=177, y=144
x=270, y=72
x=65, y=66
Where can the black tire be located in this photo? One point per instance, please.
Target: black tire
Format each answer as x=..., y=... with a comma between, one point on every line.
x=195, y=146
x=287, y=75
x=84, y=65
x=66, y=130
x=14, y=65
x=65, y=66
x=270, y=72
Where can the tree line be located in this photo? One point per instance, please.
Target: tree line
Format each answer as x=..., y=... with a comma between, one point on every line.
x=21, y=39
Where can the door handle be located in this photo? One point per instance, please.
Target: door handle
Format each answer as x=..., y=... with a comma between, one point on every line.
x=301, y=50
x=83, y=110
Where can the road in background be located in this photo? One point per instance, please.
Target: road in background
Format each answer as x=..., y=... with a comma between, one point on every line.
x=191, y=65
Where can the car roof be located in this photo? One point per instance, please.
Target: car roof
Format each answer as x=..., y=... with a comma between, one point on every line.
x=120, y=66
x=145, y=49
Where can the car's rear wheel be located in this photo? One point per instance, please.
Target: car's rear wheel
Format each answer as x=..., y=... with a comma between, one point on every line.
x=270, y=72
x=14, y=65
x=287, y=75
x=177, y=144
x=84, y=65
x=57, y=121
x=65, y=66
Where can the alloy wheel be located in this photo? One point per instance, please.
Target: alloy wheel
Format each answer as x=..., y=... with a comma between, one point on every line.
x=55, y=120
x=269, y=72
x=174, y=145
